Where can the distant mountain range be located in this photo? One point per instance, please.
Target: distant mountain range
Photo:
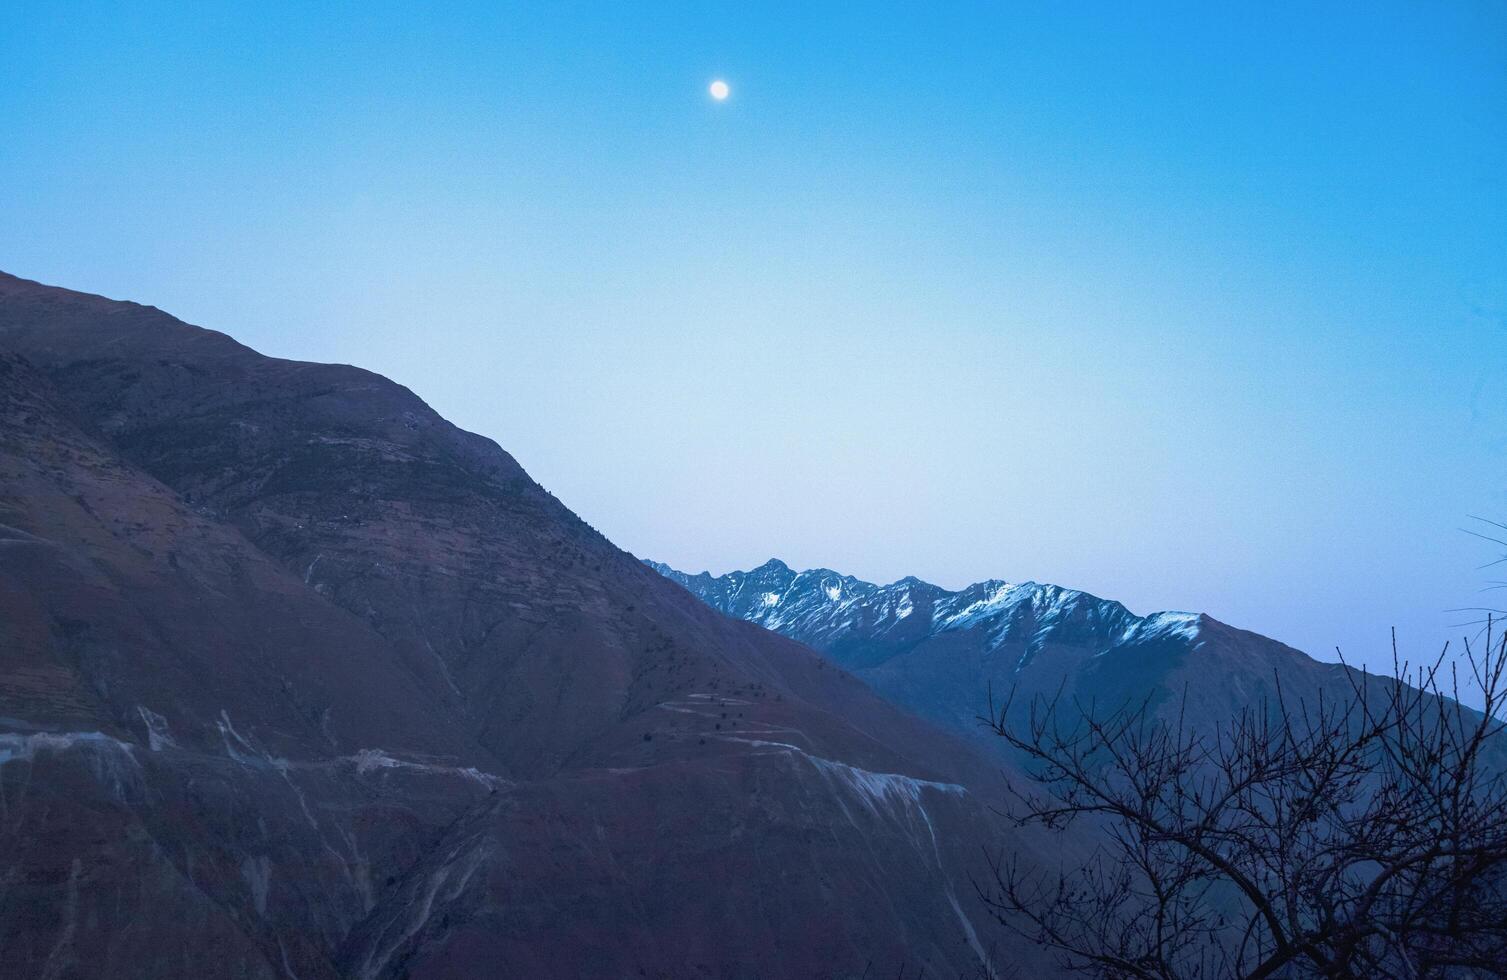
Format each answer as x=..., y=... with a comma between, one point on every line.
x=941, y=653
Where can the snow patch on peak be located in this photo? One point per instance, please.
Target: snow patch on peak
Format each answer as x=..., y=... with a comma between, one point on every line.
x=1160, y=625
x=995, y=595
x=771, y=598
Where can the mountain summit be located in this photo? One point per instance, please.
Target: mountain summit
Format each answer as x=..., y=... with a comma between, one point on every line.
x=839, y=613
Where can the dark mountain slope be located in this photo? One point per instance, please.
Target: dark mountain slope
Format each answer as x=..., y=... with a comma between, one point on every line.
x=549, y=636
x=191, y=782
x=342, y=692
x=126, y=605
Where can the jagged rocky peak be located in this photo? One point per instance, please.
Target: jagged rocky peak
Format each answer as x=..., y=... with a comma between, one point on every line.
x=825, y=608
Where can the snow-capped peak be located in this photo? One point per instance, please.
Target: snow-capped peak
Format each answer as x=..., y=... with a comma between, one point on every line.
x=823, y=608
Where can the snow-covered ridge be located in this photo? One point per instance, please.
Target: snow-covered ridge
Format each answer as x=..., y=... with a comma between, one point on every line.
x=826, y=609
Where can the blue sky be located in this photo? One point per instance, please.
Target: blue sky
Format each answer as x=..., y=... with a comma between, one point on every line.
x=1191, y=307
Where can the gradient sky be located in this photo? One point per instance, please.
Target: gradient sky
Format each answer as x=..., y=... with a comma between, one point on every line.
x=1194, y=308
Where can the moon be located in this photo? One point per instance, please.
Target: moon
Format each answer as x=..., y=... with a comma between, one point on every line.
x=719, y=90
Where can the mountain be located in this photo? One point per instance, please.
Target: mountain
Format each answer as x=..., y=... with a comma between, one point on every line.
x=941, y=653
x=299, y=680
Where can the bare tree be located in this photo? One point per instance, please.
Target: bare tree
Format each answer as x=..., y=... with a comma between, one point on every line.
x=1363, y=835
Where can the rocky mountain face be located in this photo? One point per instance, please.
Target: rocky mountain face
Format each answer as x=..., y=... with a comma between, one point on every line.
x=941, y=653
x=299, y=680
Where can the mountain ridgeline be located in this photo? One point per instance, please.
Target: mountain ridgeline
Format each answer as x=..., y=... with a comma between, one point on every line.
x=942, y=654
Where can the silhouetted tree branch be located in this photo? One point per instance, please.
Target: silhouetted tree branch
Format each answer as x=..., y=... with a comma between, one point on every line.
x=1363, y=835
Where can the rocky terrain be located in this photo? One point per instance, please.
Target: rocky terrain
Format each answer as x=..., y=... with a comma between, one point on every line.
x=299, y=680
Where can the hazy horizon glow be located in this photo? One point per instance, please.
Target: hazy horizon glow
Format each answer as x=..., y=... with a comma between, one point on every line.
x=1199, y=309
